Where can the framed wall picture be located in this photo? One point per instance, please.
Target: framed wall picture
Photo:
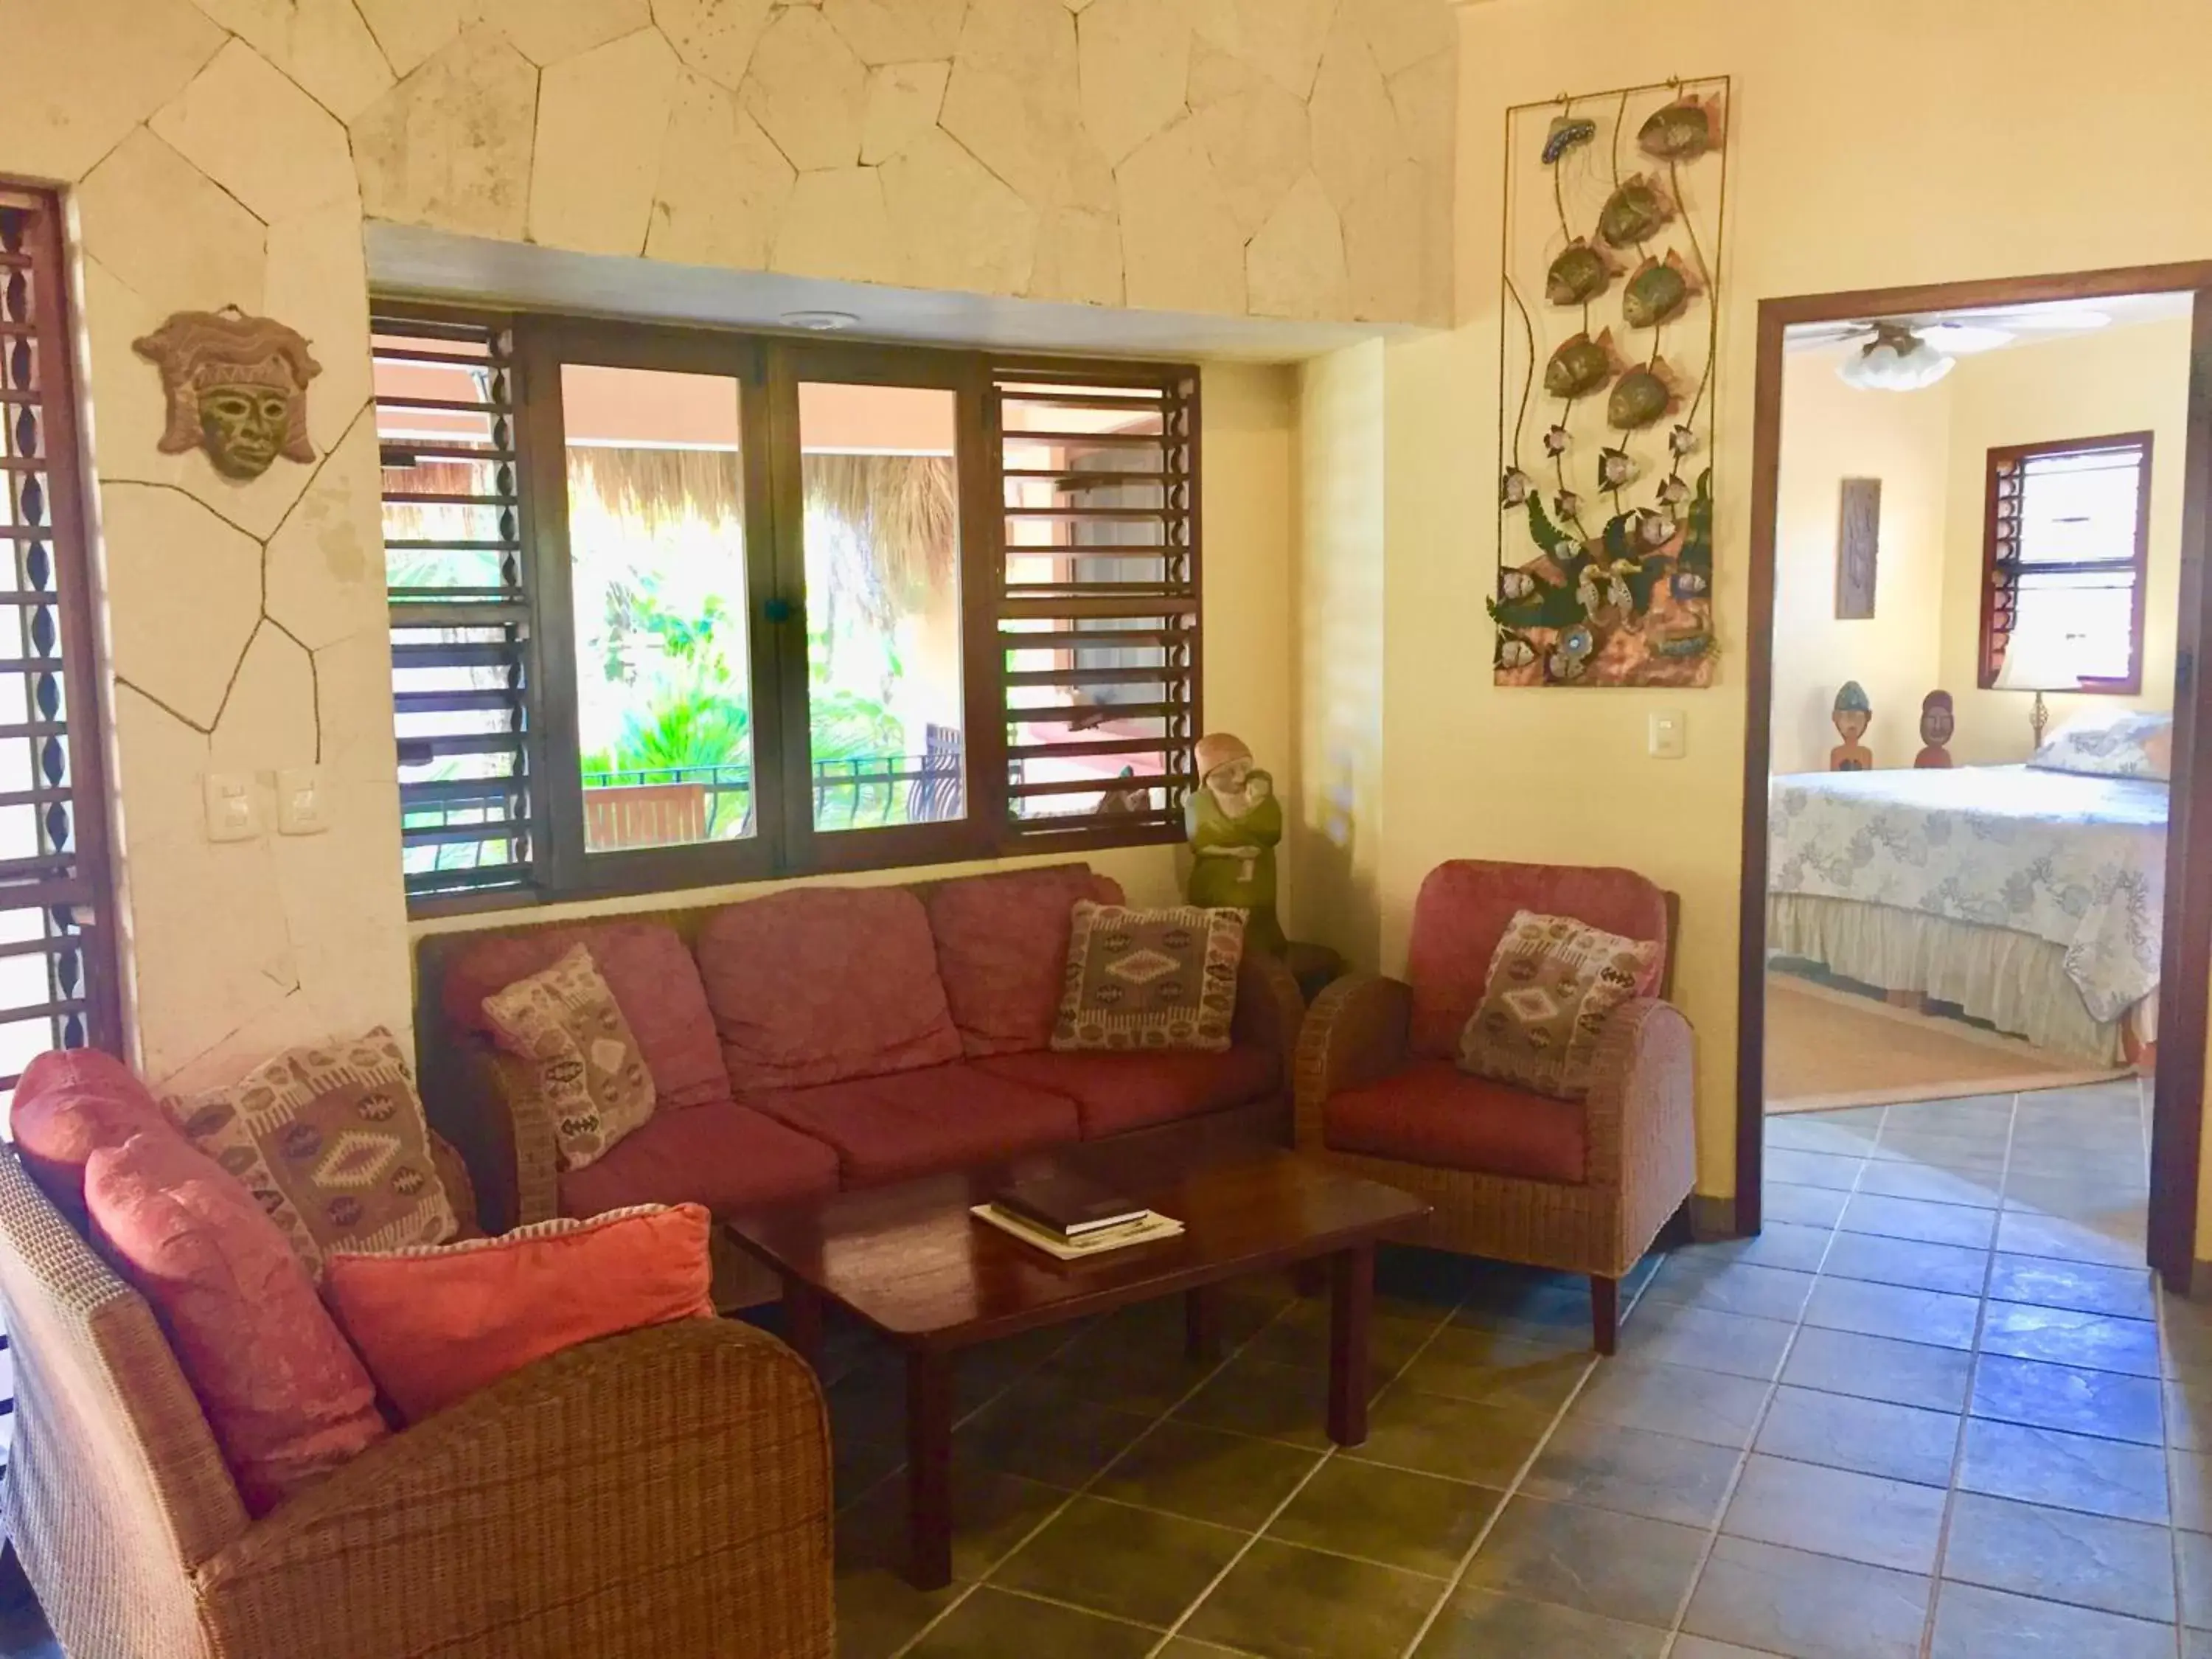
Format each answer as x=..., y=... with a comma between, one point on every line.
x=1858, y=549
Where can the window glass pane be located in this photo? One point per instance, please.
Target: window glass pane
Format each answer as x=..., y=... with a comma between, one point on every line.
x=2094, y=613
x=657, y=572
x=2079, y=507
x=883, y=604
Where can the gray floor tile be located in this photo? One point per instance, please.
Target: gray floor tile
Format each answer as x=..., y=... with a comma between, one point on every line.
x=1695, y=1405
x=1913, y=1217
x=1893, y=1310
x=2193, y=1551
x=2066, y=1471
x=991, y=1622
x=2105, y=1403
x=1947, y=1267
x=1422, y=1522
x=1778, y=1243
x=2025, y=1232
x=1130, y=1563
x=1887, y=1179
x=2125, y=1292
x=1827, y=1511
x=1699, y=1647
x=1823, y=1131
x=1498, y=1371
x=1602, y=1561
x=1479, y=1625
x=1812, y=1206
x=1872, y=1437
x=2188, y=1412
x=1656, y=1475
x=1839, y=1174
x=1736, y=1287
x=1459, y=1440
x=1879, y=1368
x=1807, y=1607
x=2090, y=1560
x=1705, y=1340
x=2190, y=1473
x=1974, y=1623
x=1283, y=1602
x=2066, y=1336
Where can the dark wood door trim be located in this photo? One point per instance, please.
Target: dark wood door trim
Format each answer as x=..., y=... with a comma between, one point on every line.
x=2185, y=978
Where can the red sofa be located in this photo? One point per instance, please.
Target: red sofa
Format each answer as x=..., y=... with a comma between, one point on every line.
x=827, y=1037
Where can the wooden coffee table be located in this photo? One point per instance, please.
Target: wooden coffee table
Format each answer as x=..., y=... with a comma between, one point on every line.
x=910, y=1262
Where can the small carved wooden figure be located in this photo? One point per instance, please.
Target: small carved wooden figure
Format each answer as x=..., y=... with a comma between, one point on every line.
x=1853, y=714
x=1234, y=821
x=1936, y=725
x=237, y=387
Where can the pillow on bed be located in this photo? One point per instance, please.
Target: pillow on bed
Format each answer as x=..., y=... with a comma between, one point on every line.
x=2120, y=743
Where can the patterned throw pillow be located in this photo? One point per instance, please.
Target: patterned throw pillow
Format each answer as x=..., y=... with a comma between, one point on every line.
x=1150, y=979
x=2125, y=744
x=331, y=1141
x=565, y=1022
x=1554, y=982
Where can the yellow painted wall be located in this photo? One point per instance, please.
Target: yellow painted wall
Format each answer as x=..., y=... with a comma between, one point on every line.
x=1831, y=432
x=2121, y=380
x=2014, y=156
x=1335, y=834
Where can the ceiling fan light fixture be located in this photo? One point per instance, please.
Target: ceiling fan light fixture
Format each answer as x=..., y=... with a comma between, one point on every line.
x=1896, y=360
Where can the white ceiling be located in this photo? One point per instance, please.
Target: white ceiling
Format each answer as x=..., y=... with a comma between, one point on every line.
x=432, y=263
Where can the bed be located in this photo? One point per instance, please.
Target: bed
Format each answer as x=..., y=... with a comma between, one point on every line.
x=2029, y=896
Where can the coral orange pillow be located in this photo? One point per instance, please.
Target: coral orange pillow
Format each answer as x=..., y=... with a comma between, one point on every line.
x=68, y=1105
x=288, y=1399
x=437, y=1323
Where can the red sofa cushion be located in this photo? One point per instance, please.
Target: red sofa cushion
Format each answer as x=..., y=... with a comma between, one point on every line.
x=1117, y=1091
x=1434, y=1114
x=819, y=984
x=891, y=1129
x=437, y=1323
x=719, y=1155
x=655, y=983
x=1462, y=912
x=68, y=1105
x=1002, y=950
x=288, y=1399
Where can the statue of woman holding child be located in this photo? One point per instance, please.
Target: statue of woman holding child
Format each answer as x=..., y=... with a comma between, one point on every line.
x=1234, y=820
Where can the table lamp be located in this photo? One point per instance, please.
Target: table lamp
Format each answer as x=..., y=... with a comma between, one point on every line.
x=2042, y=654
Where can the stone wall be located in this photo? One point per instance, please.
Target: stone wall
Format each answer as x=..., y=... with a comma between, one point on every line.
x=1281, y=157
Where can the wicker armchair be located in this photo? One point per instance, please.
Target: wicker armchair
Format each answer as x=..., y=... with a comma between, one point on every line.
x=1508, y=1174
x=662, y=1492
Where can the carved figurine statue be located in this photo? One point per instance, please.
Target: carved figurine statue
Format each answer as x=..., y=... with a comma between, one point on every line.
x=1853, y=714
x=1234, y=820
x=1936, y=725
x=237, y=387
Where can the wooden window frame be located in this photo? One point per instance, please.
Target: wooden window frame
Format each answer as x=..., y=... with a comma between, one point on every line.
x=767, y=369
x=70, y=881
x=1999, y=575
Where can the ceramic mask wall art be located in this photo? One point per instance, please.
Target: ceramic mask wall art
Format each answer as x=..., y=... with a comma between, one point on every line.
x=1612, y=245
x=237, y=387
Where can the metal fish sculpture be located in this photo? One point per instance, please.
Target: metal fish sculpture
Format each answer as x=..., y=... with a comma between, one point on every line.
x=1640, y=397
x=1657, y=291
x=1515, y=584
x=1578, y=275
x=1682, y=130
x=1639, y=208
x=1581, y=365
x=1564, y=133
x=1514, y=652
x=1616, y=467
x=1514, y=488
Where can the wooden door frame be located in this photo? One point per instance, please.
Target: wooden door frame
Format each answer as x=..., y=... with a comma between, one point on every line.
x=2185, y=976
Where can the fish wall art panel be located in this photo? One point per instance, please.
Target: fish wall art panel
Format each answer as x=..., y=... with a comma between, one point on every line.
x=1612, y=251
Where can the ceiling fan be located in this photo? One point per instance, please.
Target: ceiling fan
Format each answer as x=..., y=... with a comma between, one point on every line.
x=1904, y=353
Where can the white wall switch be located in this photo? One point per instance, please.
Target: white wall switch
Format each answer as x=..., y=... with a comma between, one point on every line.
x=300, y=801
x=1670, y=734
x=233, y=810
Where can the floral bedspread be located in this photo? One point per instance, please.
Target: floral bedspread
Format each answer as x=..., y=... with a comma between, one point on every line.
x=2080, y=861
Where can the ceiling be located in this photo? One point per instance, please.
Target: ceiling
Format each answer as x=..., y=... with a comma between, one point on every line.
x=432, y=263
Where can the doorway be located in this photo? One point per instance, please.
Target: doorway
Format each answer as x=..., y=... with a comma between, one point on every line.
x=2185, y=942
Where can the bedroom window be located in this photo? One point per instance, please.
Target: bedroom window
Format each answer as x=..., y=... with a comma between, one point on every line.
x=2065, y=550
x=672, y=608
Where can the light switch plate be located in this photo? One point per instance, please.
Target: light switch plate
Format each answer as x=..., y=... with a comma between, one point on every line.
x=1670, y=734
x=300, y=801
x=234, y=806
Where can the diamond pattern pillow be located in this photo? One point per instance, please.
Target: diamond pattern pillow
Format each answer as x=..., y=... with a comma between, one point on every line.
x=1150, y=979
x=591, y=1071
x=330, y=1139
x=1553, y=982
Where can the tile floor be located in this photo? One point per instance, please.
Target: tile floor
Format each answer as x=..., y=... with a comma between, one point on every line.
x=1934, y=1410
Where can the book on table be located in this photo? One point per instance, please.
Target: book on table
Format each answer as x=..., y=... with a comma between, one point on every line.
x=1067, y=1205
x=1144, y=1229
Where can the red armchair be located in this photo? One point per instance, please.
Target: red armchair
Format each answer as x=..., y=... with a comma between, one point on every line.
x=1580, y=1186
